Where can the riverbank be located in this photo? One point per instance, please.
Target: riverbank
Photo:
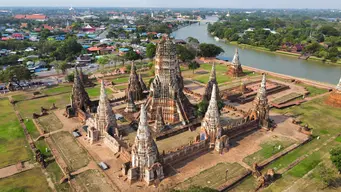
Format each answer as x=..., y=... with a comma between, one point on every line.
x=263, y=49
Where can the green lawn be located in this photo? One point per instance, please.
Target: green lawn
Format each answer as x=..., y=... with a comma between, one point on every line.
x=21, y=97
x=58, y=89
x=313, y=91
x=42, y=146
x=121, y=87
x=56, y=175
x=50, y=122
x=94, y=92
x=28, y=107
x=28, y=181
x=31, y=128
x=214, y=176
x=13, y=145
x=269, y=148
x=121, y=79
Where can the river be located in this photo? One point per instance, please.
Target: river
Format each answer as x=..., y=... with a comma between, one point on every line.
x=312, y=70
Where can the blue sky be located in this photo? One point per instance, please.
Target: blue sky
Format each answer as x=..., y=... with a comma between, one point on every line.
x=324, y=4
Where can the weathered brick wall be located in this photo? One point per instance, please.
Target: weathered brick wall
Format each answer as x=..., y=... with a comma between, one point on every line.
x=112, y=143
x=185, y=152
x=240, y=129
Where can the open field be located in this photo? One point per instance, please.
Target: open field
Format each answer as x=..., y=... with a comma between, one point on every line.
x=66, y=88
x=56, y=175
x=50, y=122
x=28, y=107
x=31, y=128
x=214, y=176
x=94, y=92
x=269, y=148
x=13, y=145
x=28, y=181
x=72, y=153
x=93, y=180
x=316, y=151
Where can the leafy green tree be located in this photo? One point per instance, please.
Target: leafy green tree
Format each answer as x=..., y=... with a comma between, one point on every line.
x=68, y=50
x=70, y=77
x=45, y=33
x=210, y=50
x=60, y=66
x=15, y=74
x=150, y=50
x=103, y=61
x=131, y=55
x=184, y=54
x=193, y=65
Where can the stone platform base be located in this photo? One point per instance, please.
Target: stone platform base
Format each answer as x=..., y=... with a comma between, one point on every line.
x=334, y=99
x=235, y=72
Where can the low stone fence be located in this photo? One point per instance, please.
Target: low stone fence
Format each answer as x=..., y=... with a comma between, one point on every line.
x=112, y=143
x=185, y=152
x=241, y=129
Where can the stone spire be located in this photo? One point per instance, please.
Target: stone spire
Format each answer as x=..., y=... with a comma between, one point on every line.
x=167, y=87
x=144, y=150
x=105, y=118
x=134, y=85
x=131, y=107
x=235, y=70
x=79, y=99
x=159, y=122
x=338, y=86
x=209, y=86
x=261, y=107
x=235, y=61
x=211, y=121
x=143, y=85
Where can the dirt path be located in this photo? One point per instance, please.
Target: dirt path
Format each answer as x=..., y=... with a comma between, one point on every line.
x=14, y=169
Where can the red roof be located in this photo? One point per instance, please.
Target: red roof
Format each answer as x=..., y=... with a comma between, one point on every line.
x=94, y=49
x=33, y=17
x=19, y=16
x=46, y=26
x=17, y=35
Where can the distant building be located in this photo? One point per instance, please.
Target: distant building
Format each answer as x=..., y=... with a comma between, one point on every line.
x=36, y=17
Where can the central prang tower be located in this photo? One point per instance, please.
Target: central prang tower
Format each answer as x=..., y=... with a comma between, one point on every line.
x=166, y=90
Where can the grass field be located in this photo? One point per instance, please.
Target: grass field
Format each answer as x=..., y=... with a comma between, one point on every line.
x=58, y=90
x=121, y=87
x=56, y=175
x=269, y=148
x=73, y=154
x=28, y=181
x=13, y=145
x=28, y=107
x=50, y=122
x=313, y=91
x=93, y=180
x=94, y=92
x=214, y=176
x=31, y=128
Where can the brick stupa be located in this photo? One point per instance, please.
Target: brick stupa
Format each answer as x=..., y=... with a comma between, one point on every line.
x=235, y=70
x=334, y=98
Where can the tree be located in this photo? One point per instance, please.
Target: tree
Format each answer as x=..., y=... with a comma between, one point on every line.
x=60, y=66
x=68, y=50
x=131, y=55
x=103, y=61
x=335, y=157
x=70, y=77
x=184, y=54
x=150, y=50
x=193, y=65
x=210, y=50
x=15, y=74
x=136, y=41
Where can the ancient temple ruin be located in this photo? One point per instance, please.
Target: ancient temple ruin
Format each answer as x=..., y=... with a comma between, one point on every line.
x=260, y=109
x=104, y=120
x=80, y=101
x=210, y=125
x=166, y=90
x=134, y=85
x=334, y=98
x=209, y=86
x=145, y=162
x=131, y=107
x=235, y=70
x=159, y=124
x=143, y=85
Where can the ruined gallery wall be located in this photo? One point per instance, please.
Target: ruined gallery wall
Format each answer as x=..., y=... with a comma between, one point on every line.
x=188, y=151
x=112, y=143
x=240, y=129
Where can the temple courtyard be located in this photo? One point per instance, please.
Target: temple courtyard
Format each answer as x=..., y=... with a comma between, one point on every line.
x=286, y=136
